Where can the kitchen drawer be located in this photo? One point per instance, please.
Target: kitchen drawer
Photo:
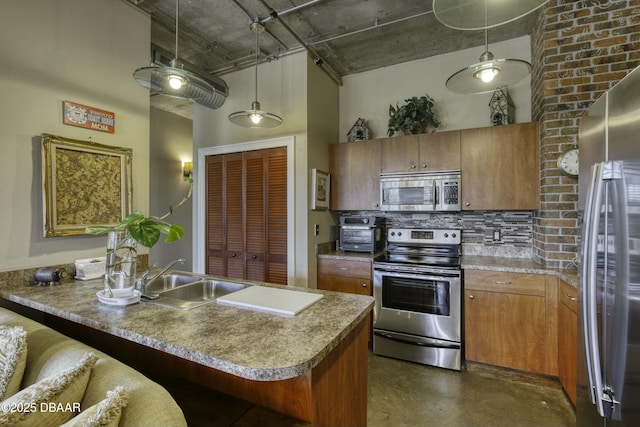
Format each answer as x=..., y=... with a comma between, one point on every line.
x=568, y=295
x=499, y=281
x=347, y=268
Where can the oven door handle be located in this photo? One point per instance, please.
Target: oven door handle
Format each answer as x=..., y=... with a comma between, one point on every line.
x=404, y=272
x=423, y=342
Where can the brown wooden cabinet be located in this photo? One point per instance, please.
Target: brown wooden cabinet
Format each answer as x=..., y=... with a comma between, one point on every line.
x=353, y=276
x=428, y=152
x=567, y=338
x=500, y=167
x=247, y=215
x=355, y=175
x=510, y=320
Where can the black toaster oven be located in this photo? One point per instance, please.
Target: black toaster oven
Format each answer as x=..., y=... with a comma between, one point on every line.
x=360, y=233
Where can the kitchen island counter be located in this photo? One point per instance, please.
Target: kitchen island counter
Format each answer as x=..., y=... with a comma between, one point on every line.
x=245, y=351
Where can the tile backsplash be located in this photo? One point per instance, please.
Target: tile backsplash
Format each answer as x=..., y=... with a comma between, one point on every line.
x=491, y=233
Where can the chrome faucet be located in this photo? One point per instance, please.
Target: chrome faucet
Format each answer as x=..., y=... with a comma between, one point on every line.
x=141, y=283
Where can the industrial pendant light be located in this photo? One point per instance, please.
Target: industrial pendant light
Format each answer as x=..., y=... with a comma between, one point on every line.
x=255, y=117
x=178, y=82
x=489, y=73
x=467, y=14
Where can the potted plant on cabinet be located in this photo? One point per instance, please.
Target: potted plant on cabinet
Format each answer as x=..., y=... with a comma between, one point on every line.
x=415, y=116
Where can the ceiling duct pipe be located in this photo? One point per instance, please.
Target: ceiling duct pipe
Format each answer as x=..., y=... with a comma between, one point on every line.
x=316, y=56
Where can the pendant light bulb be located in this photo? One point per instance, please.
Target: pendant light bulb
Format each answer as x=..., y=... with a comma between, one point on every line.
x=175, y=82
x=255, y=118
x=487, y=74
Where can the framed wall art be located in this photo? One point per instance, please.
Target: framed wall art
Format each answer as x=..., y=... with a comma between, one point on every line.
x=320, y=182
x=84, y=183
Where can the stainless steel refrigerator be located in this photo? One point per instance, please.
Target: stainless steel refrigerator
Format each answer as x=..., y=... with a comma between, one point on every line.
x=609, y=275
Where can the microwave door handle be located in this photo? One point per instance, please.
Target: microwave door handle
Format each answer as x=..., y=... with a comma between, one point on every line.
x=435, y=194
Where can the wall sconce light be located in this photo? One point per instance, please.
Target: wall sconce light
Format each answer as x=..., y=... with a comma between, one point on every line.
x=187, y=169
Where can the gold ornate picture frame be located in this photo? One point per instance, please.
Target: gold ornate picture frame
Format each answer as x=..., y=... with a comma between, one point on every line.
x=84, y=183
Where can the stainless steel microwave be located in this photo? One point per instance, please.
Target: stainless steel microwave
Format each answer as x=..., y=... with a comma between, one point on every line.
x=428, y=192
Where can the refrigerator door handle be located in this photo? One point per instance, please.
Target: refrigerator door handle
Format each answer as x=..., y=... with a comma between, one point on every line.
x=589, y=291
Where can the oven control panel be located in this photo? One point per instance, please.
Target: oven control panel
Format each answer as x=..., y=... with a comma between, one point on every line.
x=423, y=235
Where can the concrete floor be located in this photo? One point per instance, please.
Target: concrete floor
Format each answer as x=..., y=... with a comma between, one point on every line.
x=408, y=394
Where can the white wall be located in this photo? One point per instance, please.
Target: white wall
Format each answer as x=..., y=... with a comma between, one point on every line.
x=323, y=121
x=369, y=94
x=171, y=144
x=53, y=50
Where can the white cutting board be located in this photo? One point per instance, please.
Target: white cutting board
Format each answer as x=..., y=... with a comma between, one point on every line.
x=281, y=301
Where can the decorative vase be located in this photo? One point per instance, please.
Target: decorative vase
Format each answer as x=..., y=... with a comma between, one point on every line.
x=120, y=270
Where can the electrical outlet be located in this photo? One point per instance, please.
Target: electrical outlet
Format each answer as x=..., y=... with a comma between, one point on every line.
x=497, y=235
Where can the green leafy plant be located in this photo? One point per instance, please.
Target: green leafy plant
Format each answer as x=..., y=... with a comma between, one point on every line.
x=415, y=116
x=147, y=230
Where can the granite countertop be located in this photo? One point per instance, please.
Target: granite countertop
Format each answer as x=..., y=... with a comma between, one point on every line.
x=517, y=265
x=247, y=343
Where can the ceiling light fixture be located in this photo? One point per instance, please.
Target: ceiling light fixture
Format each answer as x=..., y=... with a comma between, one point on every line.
x=488, y=74
x=255, y=117
x=467, y=14
x=178, y=82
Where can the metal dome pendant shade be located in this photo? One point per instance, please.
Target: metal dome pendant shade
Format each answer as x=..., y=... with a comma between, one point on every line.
x=255, y=117
x=178, y=82
x=488, y=74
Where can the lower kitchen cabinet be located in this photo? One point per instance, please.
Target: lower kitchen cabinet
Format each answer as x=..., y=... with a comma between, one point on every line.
x=511, y=320
x=567, y=338
x=352, y=276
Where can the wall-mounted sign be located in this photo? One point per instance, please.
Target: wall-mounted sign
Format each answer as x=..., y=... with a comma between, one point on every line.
x=88, y=117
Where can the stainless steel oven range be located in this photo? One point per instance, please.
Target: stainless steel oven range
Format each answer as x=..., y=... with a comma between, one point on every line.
x=417, y=286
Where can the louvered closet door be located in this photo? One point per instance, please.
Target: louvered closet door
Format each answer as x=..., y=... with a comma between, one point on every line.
x=277, y=216
x=247, y=215
x=255, y=214
x=234, y=215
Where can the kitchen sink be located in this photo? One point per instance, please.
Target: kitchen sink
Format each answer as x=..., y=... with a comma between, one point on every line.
x=196, y=293
x=170, y=281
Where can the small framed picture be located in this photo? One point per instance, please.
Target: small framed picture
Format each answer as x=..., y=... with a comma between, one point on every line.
x=320, y=182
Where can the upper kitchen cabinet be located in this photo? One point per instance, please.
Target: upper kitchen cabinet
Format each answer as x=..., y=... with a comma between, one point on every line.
x=355, y=175
x=500, y=167
x=427, y=152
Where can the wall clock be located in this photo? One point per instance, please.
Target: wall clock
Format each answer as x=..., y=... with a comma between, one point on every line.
x=568, y=162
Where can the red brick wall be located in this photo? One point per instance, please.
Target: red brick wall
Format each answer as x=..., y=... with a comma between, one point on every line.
x=579, y=50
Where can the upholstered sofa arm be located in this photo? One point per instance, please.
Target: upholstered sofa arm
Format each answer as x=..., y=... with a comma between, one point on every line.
x=49, y=352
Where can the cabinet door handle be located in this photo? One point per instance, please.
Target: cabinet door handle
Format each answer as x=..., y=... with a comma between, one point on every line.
x=233, y=255
x=424, y=165
x=254, y=256
x=364, y=285
x=571, y=298
x=472, y=297
x=467, y=203
x=503, y=282
x=344, y=268
x=376, y=205
x=413, y=165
